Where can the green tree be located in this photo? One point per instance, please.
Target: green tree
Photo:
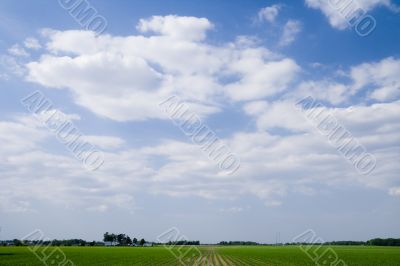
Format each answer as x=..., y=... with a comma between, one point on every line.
x=121, y=239
x=107, y=237
x=17, y=242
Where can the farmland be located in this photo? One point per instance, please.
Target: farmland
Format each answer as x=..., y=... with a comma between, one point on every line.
x=204, y=255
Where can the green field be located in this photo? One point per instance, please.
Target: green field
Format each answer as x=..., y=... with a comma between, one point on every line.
x=204, y=255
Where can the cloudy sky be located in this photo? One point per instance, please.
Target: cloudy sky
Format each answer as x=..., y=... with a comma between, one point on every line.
x=240, y=66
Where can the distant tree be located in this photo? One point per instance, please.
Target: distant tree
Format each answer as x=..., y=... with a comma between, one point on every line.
x=384, y=242
x=134, y=241
x=108, y=237
x=142, y=241
x=17, y=242
x=184, y=243
x=128, y=240
x=239, y=243
x=56, y=242
x=121, y=239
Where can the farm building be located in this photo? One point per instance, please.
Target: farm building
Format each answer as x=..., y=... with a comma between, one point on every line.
x=110, y=243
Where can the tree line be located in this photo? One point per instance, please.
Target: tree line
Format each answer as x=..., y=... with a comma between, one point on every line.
x=183, y=243
x=125, y=240
x=122, y=239
x=238, y=243
x=55, y=242
x=371, y=242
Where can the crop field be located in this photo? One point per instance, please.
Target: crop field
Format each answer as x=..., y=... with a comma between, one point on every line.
x=204, y=255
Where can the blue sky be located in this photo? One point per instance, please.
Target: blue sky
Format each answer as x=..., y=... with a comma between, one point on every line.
x=241, y=66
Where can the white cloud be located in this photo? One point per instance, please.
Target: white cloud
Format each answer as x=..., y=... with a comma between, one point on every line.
x=290, y=31
x=13, y=140
x=17, y=50
x=105, y=142
x=121, y=88
x=326, y=90
x=336, y=13
x=32, y=43
x=9, y=66
x=378, y=118
x=375, y=126
x=261, y=79
x=31, y=173
x=272, y=165
x=269, y=13
x=176, y=27
x=124, y=78
x=395, y=191
x=8, y=204
x=382, y=76
x=279, y=114
x=378, y=80
x=256, y=107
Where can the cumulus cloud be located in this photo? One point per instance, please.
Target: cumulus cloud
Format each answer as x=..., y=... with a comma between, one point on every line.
x=272, y=165
x=110, y=85
x=291, y=29
x=327, y=90
x=124, y=78
x=17, y=50
x=32, y=43
x=336, y=13
x=269, y=13
x=261, y=79
x=30, y=172
x=12, y=63
x=383, y=76
x=375, y=126
x=377, y=80
x=10, y=67
x=176, y=27
x=279, y=114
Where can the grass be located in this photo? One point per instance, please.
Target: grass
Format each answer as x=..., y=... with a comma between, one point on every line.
x=207, y=255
